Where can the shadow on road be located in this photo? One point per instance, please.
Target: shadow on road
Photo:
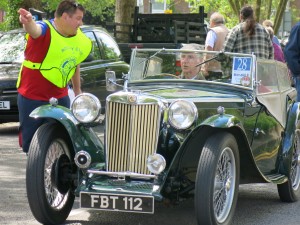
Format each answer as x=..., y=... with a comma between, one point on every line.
x=9, y=128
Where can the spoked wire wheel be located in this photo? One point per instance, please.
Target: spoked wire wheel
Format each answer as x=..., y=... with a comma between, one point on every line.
x=290, y=190
x=224, y=187
x=48, y=175
x=295, y=165
x=217, y=180
x=55, y=199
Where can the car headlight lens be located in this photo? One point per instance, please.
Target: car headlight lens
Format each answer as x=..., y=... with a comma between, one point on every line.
x=86, y=108
x=156, y=163
x=182, y=114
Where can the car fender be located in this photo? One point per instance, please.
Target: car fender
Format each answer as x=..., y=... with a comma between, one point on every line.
x=222, y=121
x=82, y=138
x=293, y=124
x=189, y=152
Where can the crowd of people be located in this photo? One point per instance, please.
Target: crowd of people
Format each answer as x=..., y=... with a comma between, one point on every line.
x=249, y=37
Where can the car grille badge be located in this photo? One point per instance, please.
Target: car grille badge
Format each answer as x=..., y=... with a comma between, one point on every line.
x=132, y=99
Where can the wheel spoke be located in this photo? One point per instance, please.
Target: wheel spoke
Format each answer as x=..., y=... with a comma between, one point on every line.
x=54, y=197
x=224, y=184
x=295, y=165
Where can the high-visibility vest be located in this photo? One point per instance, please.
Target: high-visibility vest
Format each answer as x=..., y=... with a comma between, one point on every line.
x=62, y=58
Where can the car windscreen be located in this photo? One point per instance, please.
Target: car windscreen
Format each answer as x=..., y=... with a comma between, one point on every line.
x=230, y=68
x=12, y=47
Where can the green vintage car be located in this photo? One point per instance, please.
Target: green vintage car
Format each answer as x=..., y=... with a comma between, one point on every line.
x=169, y=138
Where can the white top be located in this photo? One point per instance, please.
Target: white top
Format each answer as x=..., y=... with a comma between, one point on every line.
x=211, y=38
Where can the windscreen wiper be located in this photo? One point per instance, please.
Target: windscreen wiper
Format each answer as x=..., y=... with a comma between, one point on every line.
x=219, y=57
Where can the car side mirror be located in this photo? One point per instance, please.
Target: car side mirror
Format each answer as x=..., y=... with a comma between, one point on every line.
x=110, y=77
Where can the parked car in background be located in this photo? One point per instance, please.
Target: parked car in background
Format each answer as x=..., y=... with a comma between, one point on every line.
x=169, y=139
x=105, y=55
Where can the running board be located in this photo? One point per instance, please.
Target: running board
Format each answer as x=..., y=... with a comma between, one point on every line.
x=276, y=178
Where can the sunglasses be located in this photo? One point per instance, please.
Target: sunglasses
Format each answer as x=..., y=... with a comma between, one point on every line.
x=76, y=5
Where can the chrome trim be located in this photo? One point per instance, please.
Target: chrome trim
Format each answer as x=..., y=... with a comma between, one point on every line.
x=122, y=174
x=132, y=131
x=194, y=109
x=9, y=92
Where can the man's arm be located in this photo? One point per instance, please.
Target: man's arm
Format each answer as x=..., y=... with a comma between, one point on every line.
x=292, y=51
x=29, y=24
x=76, y=81
x=209, y=44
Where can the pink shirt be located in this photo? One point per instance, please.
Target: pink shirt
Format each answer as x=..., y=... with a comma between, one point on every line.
x=278, y=53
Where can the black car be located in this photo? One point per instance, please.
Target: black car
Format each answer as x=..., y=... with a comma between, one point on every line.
x=168, y=138
x=105, y=55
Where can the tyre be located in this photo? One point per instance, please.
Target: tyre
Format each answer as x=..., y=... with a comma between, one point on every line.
x=290, y=190
x=217, y=181
x=49, y=190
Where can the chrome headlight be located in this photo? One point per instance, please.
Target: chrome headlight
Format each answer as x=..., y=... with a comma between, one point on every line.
x=182, y=114
x=86, y=108
x=156, y=163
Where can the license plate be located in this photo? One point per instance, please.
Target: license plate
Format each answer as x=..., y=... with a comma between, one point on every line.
x=4, y=105
x=117, y=202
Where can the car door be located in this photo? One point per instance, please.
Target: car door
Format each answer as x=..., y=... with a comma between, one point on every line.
x=105, y=55
x=272, y=117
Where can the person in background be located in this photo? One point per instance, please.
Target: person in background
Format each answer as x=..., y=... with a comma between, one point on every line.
x=189, y=62
x=269, y=23
x=214, y=42
x=278, y=53
x=249, y=37
x=292, y=56
x=54, y=50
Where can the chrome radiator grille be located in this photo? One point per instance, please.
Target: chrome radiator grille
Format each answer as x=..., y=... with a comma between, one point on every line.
x=131, y=136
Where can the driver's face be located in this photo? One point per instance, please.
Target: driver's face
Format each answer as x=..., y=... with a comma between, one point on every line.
x=189, y=62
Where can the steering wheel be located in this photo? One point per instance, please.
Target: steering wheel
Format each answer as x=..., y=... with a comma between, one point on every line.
x=162, y=76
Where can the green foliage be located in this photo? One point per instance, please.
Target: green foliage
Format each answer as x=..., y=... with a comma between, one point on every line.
x=223, y=7
x=12, y=16
x=97, y=8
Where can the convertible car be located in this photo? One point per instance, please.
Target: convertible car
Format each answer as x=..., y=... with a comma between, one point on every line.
x=168, y=138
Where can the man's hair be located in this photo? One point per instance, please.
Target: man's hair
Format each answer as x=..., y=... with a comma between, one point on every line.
x=192, y=46
x=267, y=23
x=217, y=18
x=247, y=15
x=270, y=31
x=69, y=7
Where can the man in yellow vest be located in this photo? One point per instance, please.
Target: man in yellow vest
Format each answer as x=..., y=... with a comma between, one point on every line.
x=54, y=50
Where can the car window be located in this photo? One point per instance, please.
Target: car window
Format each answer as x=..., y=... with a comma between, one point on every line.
x=266, y=76
x=284, y=79
x=230, y=68
x=110, y=47
x=12, y=47
x=268, y=89
x=95, y=52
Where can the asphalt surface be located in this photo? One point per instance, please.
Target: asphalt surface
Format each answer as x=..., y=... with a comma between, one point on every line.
x=258, y=204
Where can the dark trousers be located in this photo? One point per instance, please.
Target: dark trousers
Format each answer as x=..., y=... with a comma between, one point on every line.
x=29, y=125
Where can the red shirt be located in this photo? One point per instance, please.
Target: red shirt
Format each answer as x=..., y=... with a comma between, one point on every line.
x=33, y=85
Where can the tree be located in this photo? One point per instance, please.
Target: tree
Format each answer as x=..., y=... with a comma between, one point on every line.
x=263, y=9
x=12, y=17
x=123, y=14
x=101, y=8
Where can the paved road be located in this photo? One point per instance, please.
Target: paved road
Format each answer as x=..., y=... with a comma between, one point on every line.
x=258, y=204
